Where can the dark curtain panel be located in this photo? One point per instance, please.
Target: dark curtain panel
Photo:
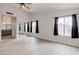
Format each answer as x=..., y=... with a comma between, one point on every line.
x=37, y=28
x=74, y=27
x=27, y=26
x=31, y=26
x=19, y=27
x=56, y=26
x=24, y=27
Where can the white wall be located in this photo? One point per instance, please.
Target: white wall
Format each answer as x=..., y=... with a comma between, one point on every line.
x=46, y=26
x=14, y=27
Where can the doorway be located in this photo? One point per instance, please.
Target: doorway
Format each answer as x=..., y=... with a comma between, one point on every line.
x=8, y=30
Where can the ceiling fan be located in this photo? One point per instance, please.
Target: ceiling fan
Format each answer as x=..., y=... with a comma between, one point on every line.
x=25, y=5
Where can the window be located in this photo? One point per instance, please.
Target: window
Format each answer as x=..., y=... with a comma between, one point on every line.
x=6, y=26
x=65, y=26
x=26, y=27
x=19, y=27
x=33, y=27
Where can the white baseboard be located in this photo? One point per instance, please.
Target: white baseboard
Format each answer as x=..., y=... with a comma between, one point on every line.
x=64, y=40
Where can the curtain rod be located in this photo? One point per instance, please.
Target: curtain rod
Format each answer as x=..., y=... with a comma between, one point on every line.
x=66, y=15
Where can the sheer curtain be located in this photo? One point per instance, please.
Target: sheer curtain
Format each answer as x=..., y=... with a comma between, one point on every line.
x=65, y=26
x=26, y=27
x=33, y=27
x=68, y=26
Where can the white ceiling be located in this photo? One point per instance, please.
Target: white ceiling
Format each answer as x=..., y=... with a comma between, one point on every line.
x=45, y=7
x=42, y=7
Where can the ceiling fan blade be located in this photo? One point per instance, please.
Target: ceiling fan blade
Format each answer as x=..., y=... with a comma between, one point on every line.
x=26, y=5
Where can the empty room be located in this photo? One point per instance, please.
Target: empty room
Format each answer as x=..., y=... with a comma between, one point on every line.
x=39, y=28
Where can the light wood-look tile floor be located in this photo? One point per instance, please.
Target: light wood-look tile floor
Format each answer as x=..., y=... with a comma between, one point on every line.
x=31, y=46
